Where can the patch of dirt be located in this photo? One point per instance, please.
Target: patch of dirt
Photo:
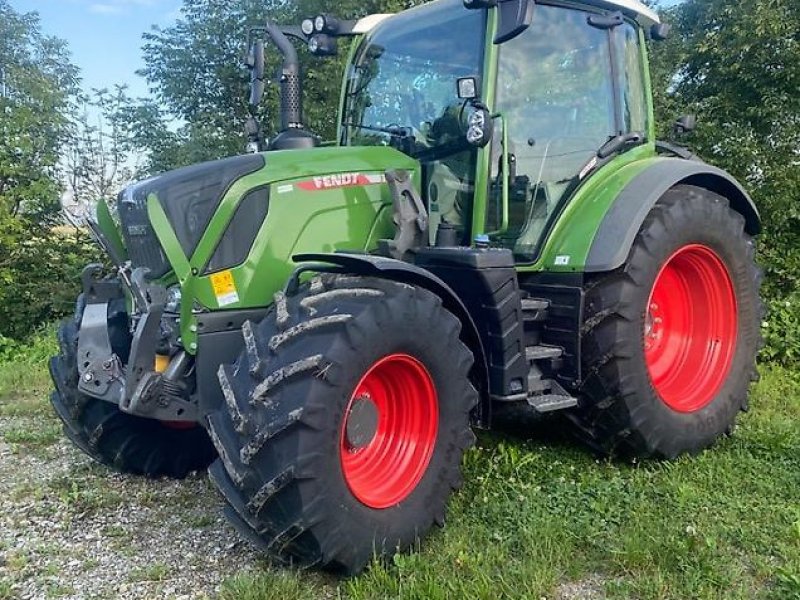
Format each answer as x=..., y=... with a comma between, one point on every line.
x=70, y=528
x=591, y=588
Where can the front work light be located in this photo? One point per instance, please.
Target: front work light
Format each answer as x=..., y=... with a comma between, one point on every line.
x=321, y=44
x=326, y=24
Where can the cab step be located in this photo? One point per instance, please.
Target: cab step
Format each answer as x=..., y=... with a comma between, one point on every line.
x=535, y=309
x=552, y=402
x=543, y=352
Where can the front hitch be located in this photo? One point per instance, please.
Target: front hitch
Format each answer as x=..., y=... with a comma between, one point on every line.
x=138, y=388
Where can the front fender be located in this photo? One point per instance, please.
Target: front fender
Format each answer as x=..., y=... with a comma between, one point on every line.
x=396, y=270
x=620, y=225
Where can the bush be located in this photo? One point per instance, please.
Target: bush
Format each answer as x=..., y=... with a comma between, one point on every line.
x=36, y=349
x=41, y=279
x=781, y=330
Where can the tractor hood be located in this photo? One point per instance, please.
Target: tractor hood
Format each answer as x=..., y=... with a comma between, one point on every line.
x=210, y=214
x=189, y=197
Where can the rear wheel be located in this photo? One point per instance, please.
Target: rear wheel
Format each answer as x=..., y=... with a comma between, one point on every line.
x=670, y=340
x=344, y=423
x=122, y=441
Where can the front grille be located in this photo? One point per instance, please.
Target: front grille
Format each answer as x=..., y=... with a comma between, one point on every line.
x=144, y=249
x=189, y=196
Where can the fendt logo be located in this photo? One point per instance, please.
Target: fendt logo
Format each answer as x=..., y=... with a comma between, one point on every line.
x=340, y=180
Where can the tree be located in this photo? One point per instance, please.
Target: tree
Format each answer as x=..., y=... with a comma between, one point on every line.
x=37, y=87
x=99, y=159
x=195, y=70
x=737, y=65
x=37, y=82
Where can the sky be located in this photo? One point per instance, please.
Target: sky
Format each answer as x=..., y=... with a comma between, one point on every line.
x=104, y=36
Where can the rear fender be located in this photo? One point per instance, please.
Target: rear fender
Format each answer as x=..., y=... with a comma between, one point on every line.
x=396, y=270
x=620, y=225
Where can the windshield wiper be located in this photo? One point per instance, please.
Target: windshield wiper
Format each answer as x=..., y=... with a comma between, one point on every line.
x=619, y=144
x=394, y=130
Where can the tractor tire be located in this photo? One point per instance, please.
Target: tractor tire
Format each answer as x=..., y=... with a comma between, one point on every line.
x=344, y=424
x=670, y=339
x=124, y=442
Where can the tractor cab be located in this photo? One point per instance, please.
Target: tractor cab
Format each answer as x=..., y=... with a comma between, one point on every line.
x=561, y=90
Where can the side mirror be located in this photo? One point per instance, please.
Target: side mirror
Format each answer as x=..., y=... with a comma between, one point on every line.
x=515, y=16
x=479, y=124
x=255, y=62
x=660, y=31
x=685, y=124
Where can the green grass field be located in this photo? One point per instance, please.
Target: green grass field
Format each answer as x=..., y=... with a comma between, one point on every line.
x=542, y=518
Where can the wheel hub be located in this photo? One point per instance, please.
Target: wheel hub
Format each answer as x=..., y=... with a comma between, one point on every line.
x=653, y=326
x=690, y=328
x=362, y=423
x=389, y=431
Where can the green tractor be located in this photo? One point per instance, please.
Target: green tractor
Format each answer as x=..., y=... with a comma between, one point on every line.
x=495, y=233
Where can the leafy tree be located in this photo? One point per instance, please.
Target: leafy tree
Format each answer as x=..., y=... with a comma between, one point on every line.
x=737, y=65
x=37, y=84
x=195, y=70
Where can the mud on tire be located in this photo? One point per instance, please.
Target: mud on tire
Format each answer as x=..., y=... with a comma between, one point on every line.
x=640, y=401
x=280, y=435
x=121, y=441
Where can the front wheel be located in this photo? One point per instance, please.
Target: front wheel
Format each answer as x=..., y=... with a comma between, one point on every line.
x=345, y=422
x=124, y=442
x=670, y=340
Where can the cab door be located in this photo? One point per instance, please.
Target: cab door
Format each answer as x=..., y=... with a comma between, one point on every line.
x=561, y=99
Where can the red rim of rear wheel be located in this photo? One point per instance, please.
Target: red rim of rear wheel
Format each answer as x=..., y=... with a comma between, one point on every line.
x=389, y=431
x=690, y=328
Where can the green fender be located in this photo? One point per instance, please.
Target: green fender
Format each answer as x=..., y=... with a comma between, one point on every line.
x=620, y=225
x=596, y=229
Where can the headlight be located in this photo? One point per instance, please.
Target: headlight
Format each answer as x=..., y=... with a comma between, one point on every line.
x=477, y=119
x=173, y=303
x=319, y=23
x=307, y=26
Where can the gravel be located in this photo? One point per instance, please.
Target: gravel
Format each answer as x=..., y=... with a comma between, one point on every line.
x=72, y=529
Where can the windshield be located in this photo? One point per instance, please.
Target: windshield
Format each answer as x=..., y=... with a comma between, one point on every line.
x=402, y=92
x=402, y=85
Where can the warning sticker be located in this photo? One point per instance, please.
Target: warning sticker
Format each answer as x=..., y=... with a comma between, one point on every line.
x=224, y=288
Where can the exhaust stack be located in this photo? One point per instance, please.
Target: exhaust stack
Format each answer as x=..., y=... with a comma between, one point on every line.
x=293, y=135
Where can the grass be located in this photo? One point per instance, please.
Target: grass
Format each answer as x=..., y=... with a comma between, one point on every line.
x=541, y=518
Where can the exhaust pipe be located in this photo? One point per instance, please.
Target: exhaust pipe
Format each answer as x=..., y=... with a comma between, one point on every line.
x=293, y=135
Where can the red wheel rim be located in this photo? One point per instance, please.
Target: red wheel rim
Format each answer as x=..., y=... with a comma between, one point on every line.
x=390, y=457
x=690, y=328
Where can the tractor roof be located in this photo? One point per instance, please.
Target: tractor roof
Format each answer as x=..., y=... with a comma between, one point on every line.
x=644, y=15
x=633, y=8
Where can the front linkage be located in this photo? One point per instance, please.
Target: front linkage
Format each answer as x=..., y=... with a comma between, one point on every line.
x=151, y=383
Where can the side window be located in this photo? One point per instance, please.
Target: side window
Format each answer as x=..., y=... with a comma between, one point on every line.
x=555, y=90
x=634, y=98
